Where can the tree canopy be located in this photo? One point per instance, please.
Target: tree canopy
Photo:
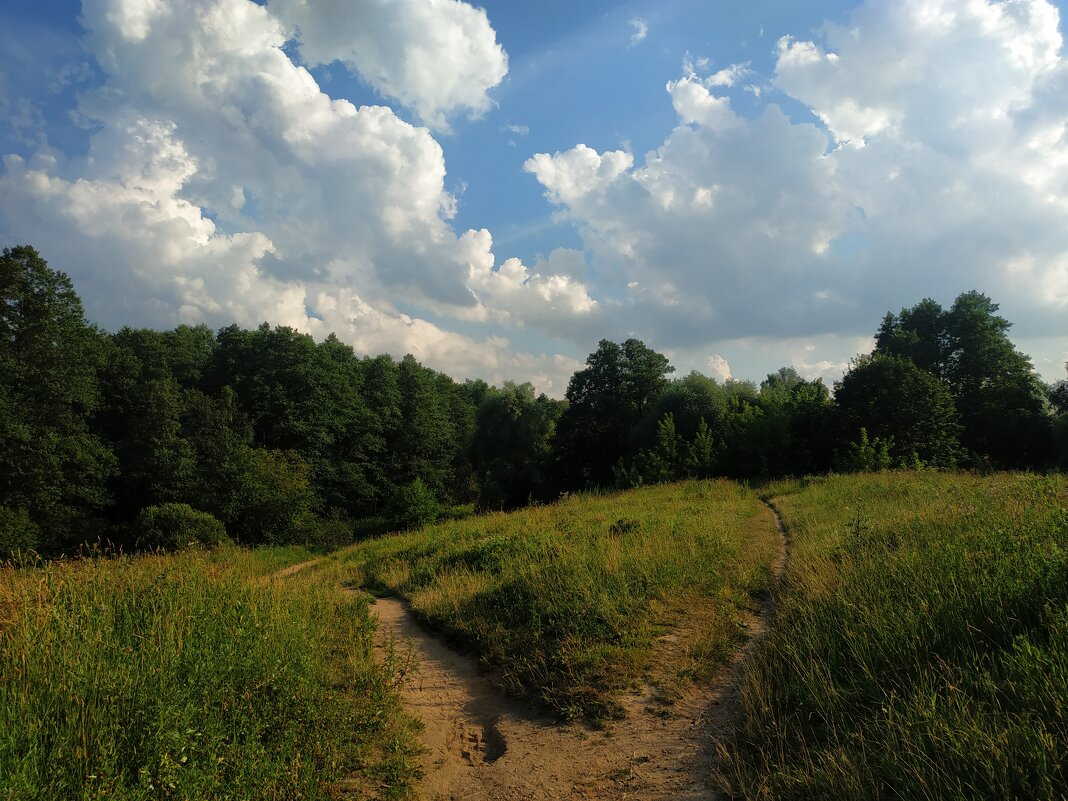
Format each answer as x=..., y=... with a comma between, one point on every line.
x=280, y=438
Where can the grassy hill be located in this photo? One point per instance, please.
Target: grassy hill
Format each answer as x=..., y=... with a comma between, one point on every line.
x=921, y=646
x=566, y=600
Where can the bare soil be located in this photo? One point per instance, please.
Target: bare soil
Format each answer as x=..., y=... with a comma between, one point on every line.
x=482, y=745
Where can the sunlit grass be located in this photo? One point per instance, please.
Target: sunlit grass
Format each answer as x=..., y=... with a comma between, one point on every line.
x=921, y=647
x=560, y=598
x=189, y=676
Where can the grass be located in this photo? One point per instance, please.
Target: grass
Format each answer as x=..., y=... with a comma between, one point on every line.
x=921, y=645
x=191, y=676
x=272, y=558
x=566, y=601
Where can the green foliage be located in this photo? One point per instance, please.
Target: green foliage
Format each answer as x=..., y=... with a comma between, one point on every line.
x=605, y=401
x=51, y=463
x=269, y=430
x=919, y=648
x=564, y=599
x=668, y=460
x=511, y=445
x=413, y=505
x=273, y=502
x=18, y=533
x=331, y=532
x=908, y=408
x=866, y=456
x=172, y=526
x=191, y=676
x=999, y=398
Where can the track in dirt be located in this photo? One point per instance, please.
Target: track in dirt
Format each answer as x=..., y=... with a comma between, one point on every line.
x=481, y=745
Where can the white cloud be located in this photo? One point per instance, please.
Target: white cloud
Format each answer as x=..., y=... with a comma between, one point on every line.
x=719, y=368
x=940, y=165
x=694, y=103
x=223, y=185
x=579, y=172
x=641, y=30
x=433, y=56
x=550, y=295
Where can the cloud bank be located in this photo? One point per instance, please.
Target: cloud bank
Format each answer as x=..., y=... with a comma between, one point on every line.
x=934, y=162
x=224, y=184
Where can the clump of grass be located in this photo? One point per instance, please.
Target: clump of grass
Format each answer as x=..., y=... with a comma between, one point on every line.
x=921, y=647
x=558, y=598
x=189, y=676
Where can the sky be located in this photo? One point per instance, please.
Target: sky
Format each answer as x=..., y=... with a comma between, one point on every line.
x=743, y=185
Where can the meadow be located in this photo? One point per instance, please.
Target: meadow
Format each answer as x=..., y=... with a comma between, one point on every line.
x=566, y=601
x=920, y=649
x=193, y=676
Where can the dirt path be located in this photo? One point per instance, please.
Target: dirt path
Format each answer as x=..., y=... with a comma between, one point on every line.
x=483, y=746
x=289, y=571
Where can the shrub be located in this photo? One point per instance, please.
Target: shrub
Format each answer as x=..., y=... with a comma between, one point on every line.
x=178, y=525
x=413, y=505
x=18, y=534
x=332, y=531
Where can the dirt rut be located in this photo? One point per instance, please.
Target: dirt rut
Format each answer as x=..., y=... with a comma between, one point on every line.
x=481, y=745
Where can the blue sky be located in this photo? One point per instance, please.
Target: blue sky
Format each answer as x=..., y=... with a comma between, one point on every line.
x=494, y=188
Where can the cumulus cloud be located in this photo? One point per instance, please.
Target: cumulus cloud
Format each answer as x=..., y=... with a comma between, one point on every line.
x=222, y=184
x=719, y=368
x=433, y=56
x=939, y=164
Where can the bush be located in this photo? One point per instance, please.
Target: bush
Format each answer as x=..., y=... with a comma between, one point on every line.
x=413, y=505
x=18, y=534
x=178, y=525
x=275, y=503
x=332, y=531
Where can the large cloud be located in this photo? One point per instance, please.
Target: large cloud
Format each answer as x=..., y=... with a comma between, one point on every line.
x=434, y=56
x=938, y=164
x=222, y=184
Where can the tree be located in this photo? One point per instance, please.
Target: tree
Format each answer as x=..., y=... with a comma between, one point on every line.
x=919, y=334
x=605, y=401
x=896, y=402
x=511, y=445
x=51, y=463
x=690, y=399
x=999, y=396
x=427, y=444
x=1059, y=401
x=994, y=387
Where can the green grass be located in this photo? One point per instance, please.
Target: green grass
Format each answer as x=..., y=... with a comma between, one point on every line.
x=191, y=676
x=566, y=601
x=921, y=645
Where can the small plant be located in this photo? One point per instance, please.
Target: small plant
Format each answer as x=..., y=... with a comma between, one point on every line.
x=865, y=456
x=173, y=526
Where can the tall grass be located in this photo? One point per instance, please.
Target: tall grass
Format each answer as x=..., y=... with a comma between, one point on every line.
x=921, y=645
x=189, y=676
x=565, y=600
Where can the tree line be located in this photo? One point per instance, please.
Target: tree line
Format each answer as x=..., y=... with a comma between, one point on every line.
x=271, y=437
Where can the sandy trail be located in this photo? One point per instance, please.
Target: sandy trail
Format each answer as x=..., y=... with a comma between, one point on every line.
x=482, y=745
